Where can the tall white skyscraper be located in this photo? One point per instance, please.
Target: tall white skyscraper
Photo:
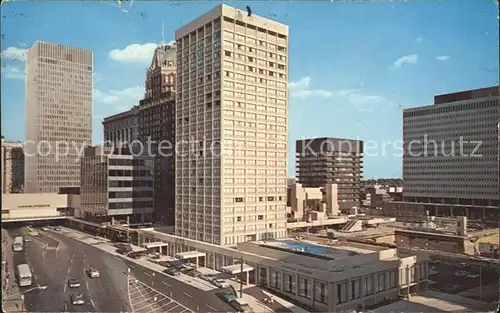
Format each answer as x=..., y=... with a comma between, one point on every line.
x=231, y=127
x=58, y=114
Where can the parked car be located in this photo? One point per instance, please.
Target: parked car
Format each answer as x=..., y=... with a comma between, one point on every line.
x=221, y=283
x=93, y=273
x=226, y=296
x=192, y=272
x=460, y=273
x=241, y=306
x=173, y=271
x=207, y=278
x=73, y=283
x=462, y=265
x=27, y=239
x=473, y=276
x=77, y=299
x=57, y=228
x=45, y=228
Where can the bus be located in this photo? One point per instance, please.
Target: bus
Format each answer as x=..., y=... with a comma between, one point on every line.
x=18, y=244
x=23, y=275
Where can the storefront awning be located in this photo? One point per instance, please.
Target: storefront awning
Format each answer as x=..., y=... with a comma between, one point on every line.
x=189, y=255
x=236, y=268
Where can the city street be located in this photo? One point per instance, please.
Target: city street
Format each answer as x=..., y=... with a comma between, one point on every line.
x=53, y=268
x=191, y=297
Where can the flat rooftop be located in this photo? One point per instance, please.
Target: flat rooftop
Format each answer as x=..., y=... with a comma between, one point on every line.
x=330, y=250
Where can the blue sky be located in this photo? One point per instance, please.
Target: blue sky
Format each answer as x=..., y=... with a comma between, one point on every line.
x=353, y=66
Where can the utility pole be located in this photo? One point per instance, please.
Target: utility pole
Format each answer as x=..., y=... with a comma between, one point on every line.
x=241, y=277
x=128, y=227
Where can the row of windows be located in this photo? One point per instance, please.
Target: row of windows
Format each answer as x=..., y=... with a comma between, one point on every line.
x=130, y=205
x=130, y=183
x=451, y=108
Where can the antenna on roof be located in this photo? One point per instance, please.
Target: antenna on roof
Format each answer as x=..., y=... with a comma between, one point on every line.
x=162, y=33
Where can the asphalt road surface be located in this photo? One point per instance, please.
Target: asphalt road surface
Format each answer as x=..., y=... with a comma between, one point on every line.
x=52, y=268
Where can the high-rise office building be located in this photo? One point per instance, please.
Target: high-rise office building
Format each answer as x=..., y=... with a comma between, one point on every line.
x=231, y=127
x=58, y=115
x=451, y=160
x=12, y=166
x=323, y=161
x=157, y=128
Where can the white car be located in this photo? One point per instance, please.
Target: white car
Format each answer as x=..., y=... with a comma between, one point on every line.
x=221, y=283
x=93, y=273
x=45, y=228
x=77, y=299
x=473, y=276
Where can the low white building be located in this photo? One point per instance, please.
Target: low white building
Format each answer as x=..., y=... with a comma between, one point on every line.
x=326, y=278
x=30, y=206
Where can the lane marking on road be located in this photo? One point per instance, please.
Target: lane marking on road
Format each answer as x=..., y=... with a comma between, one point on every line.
x=211, y=308
x=87, y=285
x=92, y=302
x=69, y=269
x=188, y=295
x=65, y=286
x=147, y=274
x=130, y=265
x=166, y=284
x=35, y=277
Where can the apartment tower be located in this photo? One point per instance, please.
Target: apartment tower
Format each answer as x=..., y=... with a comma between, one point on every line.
x=231, y=127
x=322, y=161
x=451, y=160
x=58, y=115
x=157, y=128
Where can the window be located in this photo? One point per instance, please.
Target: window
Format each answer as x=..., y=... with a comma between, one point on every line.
x=260, y=217
x=304, y=287
x=275, y=279
x=392, y=279
x=356, y=288
x=380, y=282
x=368, y=285
x=239, y=200
x=342, y=292
x=289, y=281
x=320, y=292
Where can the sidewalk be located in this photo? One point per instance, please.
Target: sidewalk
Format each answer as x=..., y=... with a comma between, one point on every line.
x=9, y=285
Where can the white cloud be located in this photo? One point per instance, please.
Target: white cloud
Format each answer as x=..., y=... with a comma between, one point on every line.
x=419, y=40
x=13, y=72
x=111, y=102
x=300, y=89
x=443, y=58
x=125, y=97
x=13, y=53
x=134, y=53
x=407, y=59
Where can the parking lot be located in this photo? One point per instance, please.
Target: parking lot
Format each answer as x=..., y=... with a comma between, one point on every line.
x=145, y=299
x=447, y=278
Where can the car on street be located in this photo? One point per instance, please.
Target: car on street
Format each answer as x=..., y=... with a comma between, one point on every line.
x=77, y=299
x=27, y=239
x=462, y=265
x=73, y=283
x=460, y=273
x=57, y=228
x=226, y=296
x=45, y=228
x=473, y=276
x=93, y=273
x=452, y=288
x=221, y=283
x=173, y=271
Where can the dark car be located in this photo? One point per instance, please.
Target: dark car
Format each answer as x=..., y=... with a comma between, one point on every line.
x=173, y=271
x=73, y=283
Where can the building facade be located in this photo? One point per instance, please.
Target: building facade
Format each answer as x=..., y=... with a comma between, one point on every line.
x=231, y=127
x=122, y=128
x=58, y=115
x=157, y=128
x=116, y=184
x=323, y=161
x=12, y=166
x=451, y=160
